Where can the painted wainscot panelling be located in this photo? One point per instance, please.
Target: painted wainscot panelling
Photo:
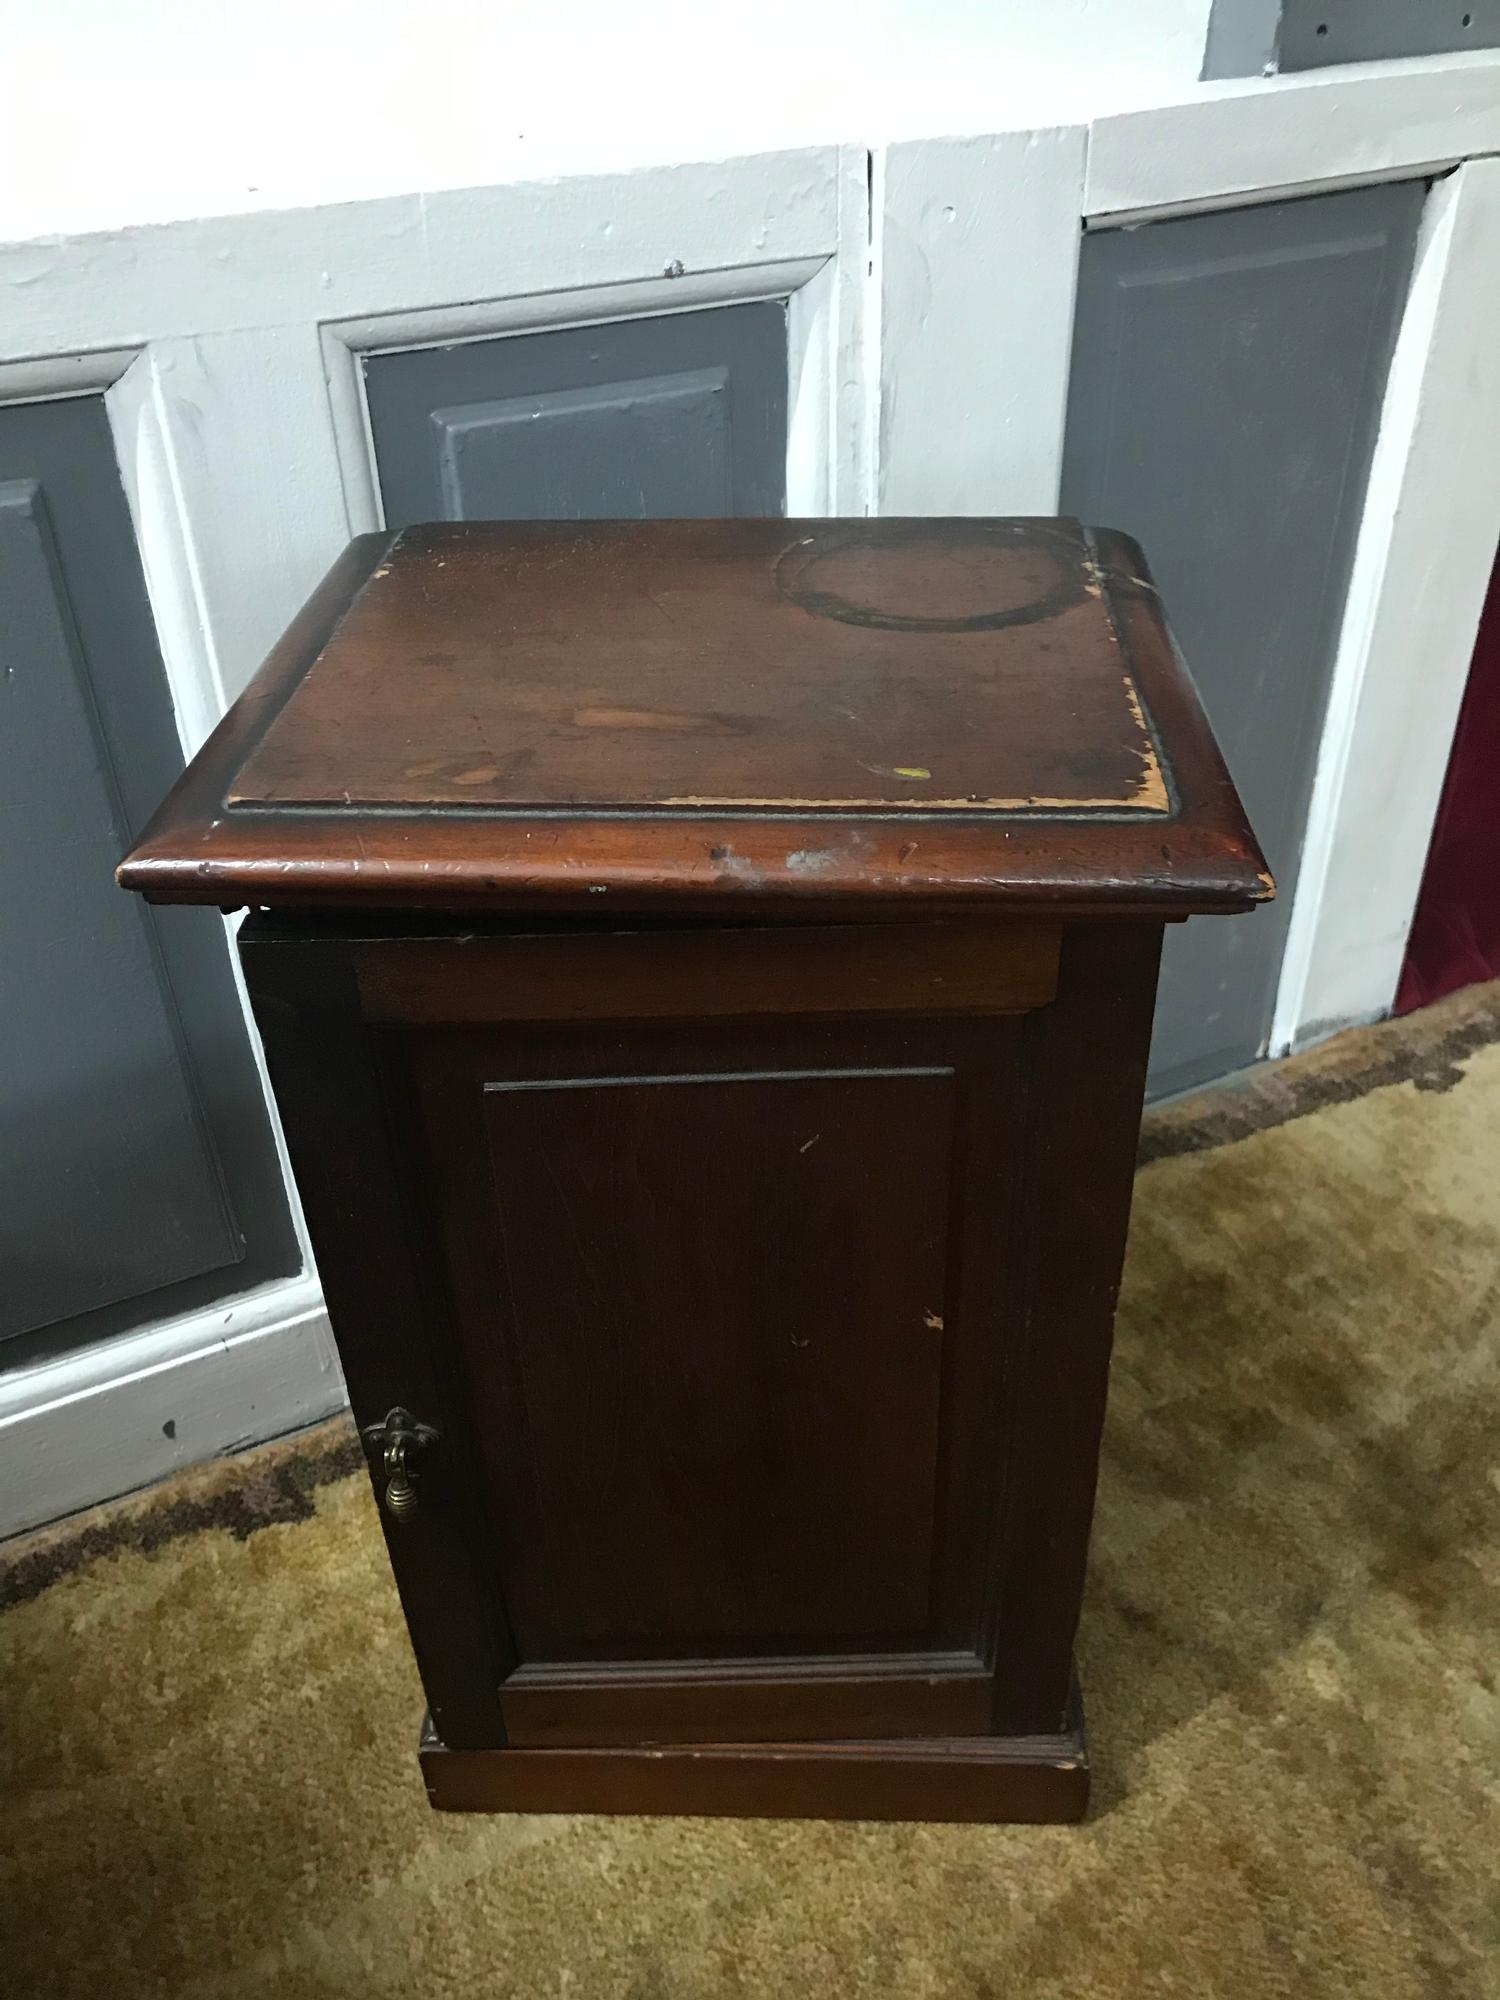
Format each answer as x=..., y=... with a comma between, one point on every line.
x=926, y=289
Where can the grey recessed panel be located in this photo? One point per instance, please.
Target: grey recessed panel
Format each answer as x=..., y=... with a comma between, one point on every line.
x=138, y=1174
x=1242, y=37
x=557, y=445
x=682, y=415
x=1228, y=371
x=1248, y=36
x=1316, y=33
x=108, y=1185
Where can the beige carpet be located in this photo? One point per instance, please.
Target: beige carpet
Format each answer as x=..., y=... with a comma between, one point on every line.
x=1290, y=1650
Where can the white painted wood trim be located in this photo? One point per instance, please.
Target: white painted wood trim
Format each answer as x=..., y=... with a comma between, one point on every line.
x=822, y=444
x=118, y=1416
x=826, y=300
x=139, y=420
x=979, y=248
x=147, y=433
x=49, y=377
x=408, y=253
x=829, y=470
x=811, y=410
x=1422, y=563
x=1254, y=139
x=872, y=375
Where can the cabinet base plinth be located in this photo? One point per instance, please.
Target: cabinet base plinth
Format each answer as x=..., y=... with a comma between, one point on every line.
x=1034, y=1780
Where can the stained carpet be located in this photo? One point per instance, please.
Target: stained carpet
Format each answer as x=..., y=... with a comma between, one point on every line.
x=1289, y=1648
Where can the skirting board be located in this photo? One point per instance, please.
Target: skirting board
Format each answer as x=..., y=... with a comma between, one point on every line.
x=104, y=1422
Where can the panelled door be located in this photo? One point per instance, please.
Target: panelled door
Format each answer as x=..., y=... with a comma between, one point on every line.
x=756, y=1400
x=730, y=1298
x=720, y=1298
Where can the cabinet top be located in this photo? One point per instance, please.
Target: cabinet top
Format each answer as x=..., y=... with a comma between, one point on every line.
x=757, y=716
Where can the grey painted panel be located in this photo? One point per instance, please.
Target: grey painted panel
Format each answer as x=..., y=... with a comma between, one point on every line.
x=1246, y=37
x=1227, y=378
x=1241, y=39
x=139, y=1175
x=1315, y=33
x=682, y=415
x=108, y=1184
x=574, y=451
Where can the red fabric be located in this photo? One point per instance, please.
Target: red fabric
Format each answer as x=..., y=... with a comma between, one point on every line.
x=1455, y=938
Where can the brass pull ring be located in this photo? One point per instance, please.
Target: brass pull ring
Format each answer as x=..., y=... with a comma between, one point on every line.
x=401, y=1437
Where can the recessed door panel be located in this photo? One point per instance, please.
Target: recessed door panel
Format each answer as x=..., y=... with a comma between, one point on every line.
x=730, y=1332
x=1227, y=378
x=679, y=416
x=139, y=1176
x=726, y=1360
x=110, y=1188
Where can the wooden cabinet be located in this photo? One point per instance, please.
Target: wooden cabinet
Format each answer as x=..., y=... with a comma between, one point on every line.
x=720, y=1190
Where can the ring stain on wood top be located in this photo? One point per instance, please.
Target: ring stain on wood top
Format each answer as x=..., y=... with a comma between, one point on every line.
x=499, y=716
x=967, y=666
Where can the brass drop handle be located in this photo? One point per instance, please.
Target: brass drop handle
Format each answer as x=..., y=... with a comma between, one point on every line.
x=401, y=1436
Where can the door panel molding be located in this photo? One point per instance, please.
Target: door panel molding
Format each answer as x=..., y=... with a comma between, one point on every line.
x=863, y=1695
x=348, y=344
x=678, y=414
x=505, y=1116
x=693, y=402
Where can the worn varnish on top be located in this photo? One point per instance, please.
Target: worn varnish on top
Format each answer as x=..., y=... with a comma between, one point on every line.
x=714, y=715
x=835, y=669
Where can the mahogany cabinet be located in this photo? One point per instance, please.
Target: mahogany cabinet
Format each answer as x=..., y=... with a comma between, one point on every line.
x=706, y=972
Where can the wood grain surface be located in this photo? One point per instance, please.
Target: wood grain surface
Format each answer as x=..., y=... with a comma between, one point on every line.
x=758, y=718
x=963, y=666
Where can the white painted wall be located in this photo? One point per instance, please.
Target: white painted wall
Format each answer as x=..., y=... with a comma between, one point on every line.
x=375, y=175
x=165, y=109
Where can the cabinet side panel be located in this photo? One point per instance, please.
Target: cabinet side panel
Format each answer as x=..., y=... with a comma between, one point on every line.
x=341, y=1094
x=1086, y=1076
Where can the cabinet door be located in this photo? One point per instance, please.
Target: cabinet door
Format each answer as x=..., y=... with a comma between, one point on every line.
x=762, y=1309
x=704, y=1284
